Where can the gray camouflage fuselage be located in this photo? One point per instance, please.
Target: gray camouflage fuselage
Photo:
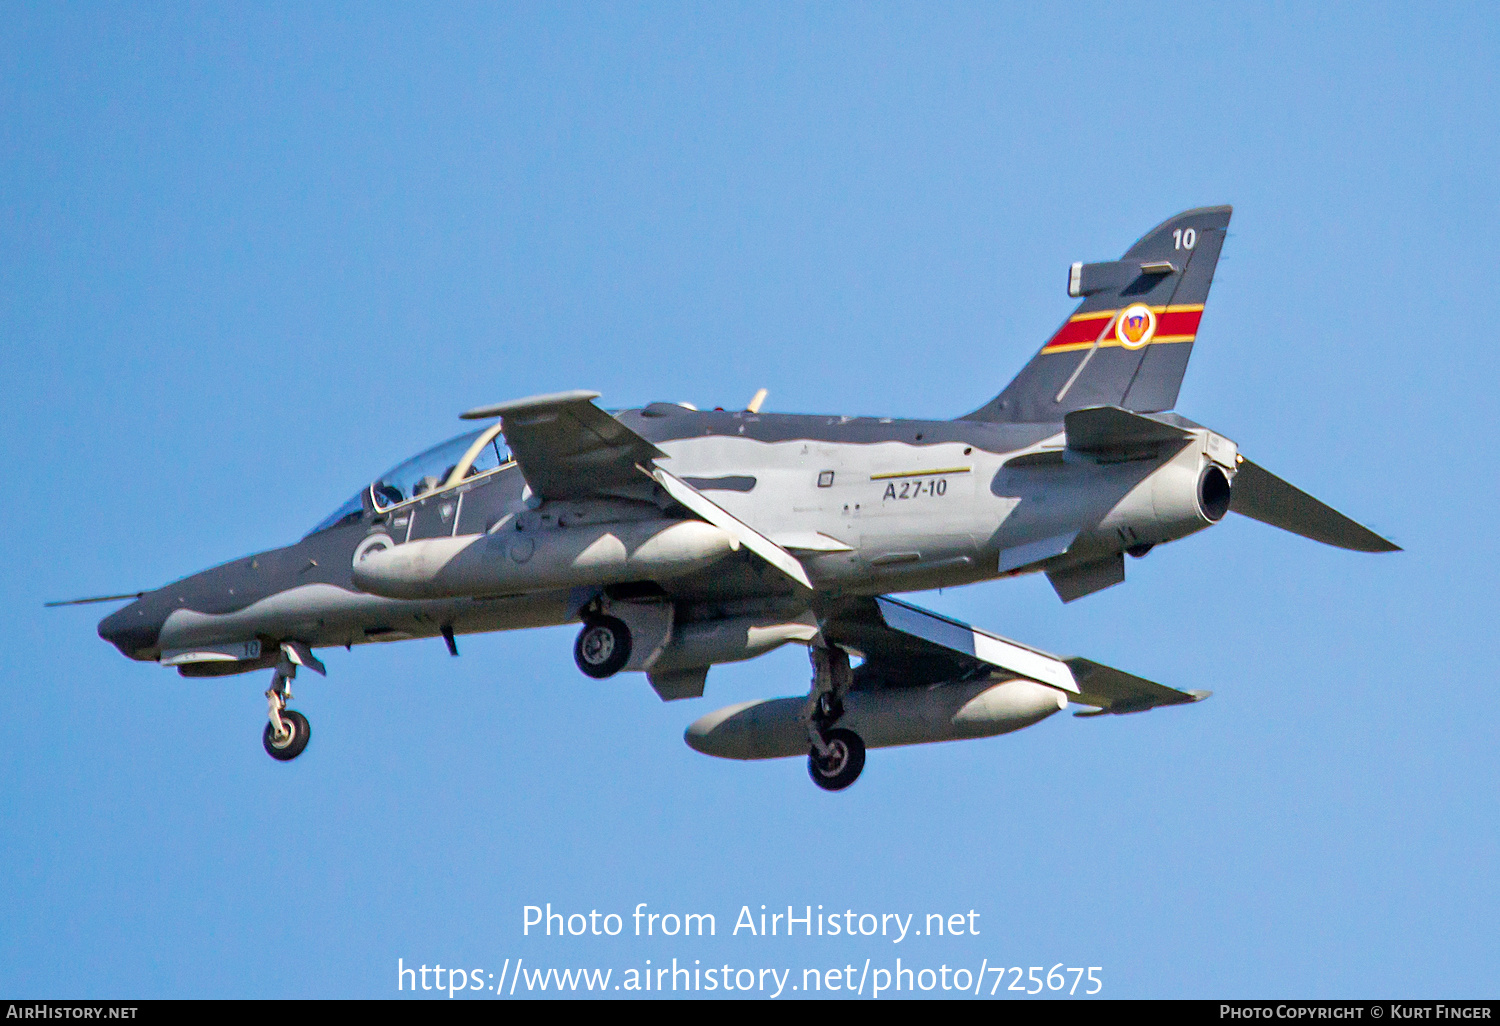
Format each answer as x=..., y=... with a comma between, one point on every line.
x=684, y=539
x=904, y=505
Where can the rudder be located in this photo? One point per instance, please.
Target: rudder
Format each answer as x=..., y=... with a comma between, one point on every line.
x=1128, y=343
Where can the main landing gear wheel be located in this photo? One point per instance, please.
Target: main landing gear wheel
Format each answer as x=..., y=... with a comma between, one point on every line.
x=287, y=747
x=843, y=762
x=603, y=647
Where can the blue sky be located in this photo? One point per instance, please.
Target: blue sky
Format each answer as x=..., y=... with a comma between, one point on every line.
x=251, y=257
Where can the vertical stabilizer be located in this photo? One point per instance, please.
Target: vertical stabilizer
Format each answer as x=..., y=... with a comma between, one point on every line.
x=1127, y=344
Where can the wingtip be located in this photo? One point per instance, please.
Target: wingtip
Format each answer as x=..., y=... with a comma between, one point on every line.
x=577, y=395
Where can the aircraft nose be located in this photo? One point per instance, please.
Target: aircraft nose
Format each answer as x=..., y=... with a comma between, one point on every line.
x=133, y=630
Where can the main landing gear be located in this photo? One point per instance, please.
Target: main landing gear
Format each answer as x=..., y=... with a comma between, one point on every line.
x=287, y=731
x=603, y=646
x=837, y=756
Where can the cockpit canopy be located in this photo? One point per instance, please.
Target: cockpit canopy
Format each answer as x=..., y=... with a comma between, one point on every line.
x=426, y=471
x=483, y=450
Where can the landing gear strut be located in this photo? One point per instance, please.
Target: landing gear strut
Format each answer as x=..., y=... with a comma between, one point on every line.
x=603, y=646
x=287, y=732
x=837, y=756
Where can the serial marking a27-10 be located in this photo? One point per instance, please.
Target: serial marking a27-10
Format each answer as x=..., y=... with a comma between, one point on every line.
x=681, y=538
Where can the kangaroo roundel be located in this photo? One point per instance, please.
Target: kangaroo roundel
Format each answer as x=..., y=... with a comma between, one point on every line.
x=1136, y=325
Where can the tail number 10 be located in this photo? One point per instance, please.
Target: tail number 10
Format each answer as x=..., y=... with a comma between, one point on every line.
x=1184, y=238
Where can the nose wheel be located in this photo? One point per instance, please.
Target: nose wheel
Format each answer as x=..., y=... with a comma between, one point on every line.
x=288, y=745
x=287, y=731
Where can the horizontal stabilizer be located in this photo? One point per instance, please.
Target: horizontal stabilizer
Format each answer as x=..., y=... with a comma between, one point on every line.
x=1261, y=495
x=1113, y=433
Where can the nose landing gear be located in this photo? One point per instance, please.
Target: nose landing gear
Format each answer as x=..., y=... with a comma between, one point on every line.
x=287, y=744
x=287, y=731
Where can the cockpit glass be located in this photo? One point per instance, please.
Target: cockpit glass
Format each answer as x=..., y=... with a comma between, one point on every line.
x=420, y=474
x=427, y=471
x=348, y=511
x=423, y=472
x=490, y=457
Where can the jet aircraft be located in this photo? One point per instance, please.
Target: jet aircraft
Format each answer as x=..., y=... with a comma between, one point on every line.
x=680, y=539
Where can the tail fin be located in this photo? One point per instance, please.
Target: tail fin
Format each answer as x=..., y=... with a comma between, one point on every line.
x=1129, y=341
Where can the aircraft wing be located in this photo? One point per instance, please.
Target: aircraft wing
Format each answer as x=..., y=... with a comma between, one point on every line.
x=1114, y=691
x=568, y=448
x=905, y=646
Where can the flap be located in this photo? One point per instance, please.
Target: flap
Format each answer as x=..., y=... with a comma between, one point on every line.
x=568, y=448
x=905, y=646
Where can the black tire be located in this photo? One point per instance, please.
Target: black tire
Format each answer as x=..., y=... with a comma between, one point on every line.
x=844, y=762
x=289, y=748
x=603, y=647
